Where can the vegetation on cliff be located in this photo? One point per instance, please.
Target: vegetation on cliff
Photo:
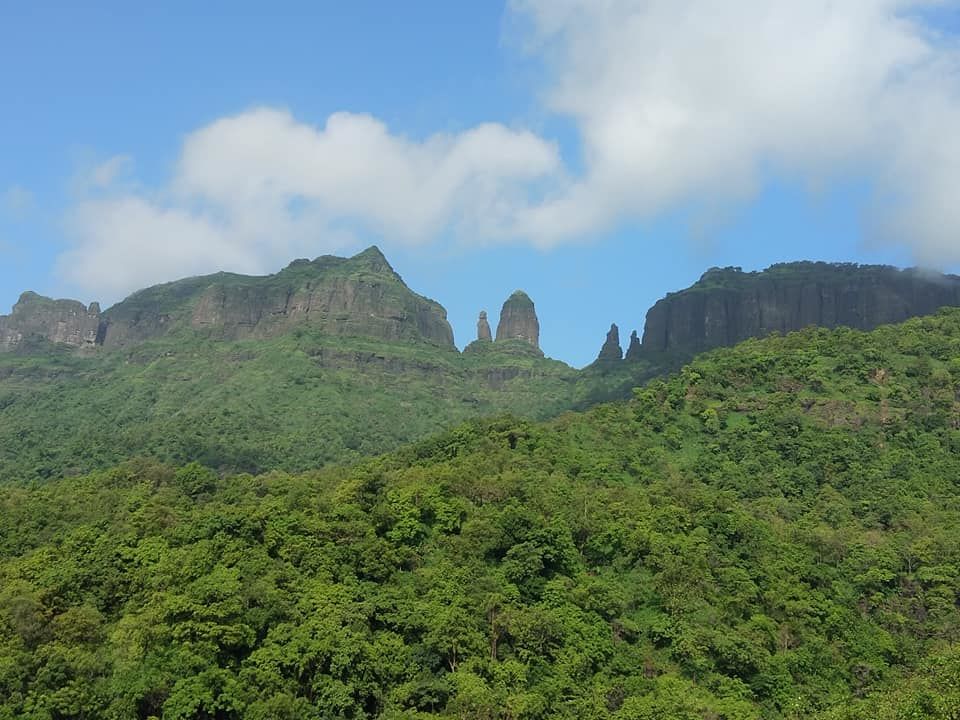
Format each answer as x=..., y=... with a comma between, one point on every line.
x=773, y=532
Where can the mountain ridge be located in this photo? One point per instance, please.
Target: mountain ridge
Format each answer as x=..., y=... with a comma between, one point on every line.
x=363, y=296
x=727, y=305
x=358, y=296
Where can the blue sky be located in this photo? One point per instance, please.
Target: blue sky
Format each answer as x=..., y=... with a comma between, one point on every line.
x=597, y=161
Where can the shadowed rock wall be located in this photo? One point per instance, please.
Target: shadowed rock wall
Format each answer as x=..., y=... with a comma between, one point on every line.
x=727, y=305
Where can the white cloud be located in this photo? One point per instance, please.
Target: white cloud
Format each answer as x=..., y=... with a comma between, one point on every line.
x=254, y=190
x=355, y=168
x=677, y=103
x=128, y=243
x=692, y=101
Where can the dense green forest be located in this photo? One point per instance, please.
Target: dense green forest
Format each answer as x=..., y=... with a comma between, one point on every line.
x=293, y=402
x=773, y=532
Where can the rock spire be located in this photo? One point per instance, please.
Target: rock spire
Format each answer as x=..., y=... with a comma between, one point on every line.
x=611, y=349
x=518, y=320
x=483, y=328
x=634, y=351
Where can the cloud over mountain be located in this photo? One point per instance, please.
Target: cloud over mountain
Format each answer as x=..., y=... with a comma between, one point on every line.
x=255, y=189
x=676, y=104
x=696, y=101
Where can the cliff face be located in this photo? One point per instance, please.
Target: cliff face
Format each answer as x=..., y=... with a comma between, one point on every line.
x=37, y=318
x=727, y=305
x=360, y=296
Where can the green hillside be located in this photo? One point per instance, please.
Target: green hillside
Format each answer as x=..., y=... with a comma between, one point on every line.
x=773, y=532
x=293, y=402
x=326, y=361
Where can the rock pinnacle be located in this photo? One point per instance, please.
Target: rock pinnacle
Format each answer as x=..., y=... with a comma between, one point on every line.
x=518, y=320
x=483, y=327
x=611, y=349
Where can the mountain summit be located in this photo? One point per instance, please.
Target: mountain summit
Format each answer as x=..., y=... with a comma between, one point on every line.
x=34, y=317
x=361, y=296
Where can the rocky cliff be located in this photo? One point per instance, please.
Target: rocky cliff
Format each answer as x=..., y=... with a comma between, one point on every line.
x=728, y=305
x=361, y=296
x=518, y=320
x=41, y=319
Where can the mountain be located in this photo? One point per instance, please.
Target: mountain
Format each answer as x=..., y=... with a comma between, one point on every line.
x=770, y=533
x=728, y=305
x=360, y=296
x=336, y=358
x=325, y=361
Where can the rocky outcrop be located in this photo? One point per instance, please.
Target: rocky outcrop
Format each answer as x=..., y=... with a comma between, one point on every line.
x=728, y=305
x=360, y=296
x=518, y=320
x=634, y=350
x=611, y=350
x=37, y=318
x=483, y=328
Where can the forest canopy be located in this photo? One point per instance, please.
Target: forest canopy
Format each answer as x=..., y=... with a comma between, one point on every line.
x=773, y=532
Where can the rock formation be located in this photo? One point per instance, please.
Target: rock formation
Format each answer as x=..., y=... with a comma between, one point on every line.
x=634, y=351
x=518, y=320
x=611, y=350
x=37, y=318
x=360, y=296
x=364, y=297
x=728, y=305
x=483, y=328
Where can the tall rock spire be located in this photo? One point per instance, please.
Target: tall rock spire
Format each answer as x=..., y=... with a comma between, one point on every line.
x=611, y=349
x=633, y=352
x=518, y=320
x=483, y=328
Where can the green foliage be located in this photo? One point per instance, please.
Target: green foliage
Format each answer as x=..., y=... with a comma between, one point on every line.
x=293, y=403
x=773, y=532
